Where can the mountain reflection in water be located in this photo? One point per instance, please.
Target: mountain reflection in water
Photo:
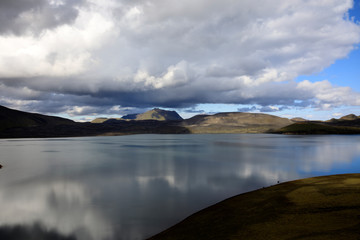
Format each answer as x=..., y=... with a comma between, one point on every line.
x=34, y=232
x=131, y=187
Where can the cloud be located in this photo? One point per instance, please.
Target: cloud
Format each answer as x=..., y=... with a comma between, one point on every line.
x=60, y=52
x=193, y=110
x=248, y=109
x=100, y=110
x=337, y=115
x=263, y=109
x=327, y=96
x=33, y=16
x=172, y=54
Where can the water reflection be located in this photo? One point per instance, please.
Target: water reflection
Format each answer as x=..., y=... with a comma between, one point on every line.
x=35, y=231
x=60, y=205
x=131, y=187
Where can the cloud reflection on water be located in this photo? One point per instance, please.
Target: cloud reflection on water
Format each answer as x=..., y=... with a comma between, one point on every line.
x=57, y=204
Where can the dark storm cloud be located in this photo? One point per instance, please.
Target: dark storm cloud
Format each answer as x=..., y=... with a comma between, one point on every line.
x=33, y=16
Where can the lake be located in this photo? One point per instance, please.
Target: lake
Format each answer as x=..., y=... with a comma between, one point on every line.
x=132, y=187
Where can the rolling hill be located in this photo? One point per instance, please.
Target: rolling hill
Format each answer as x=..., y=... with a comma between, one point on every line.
x=235, y=122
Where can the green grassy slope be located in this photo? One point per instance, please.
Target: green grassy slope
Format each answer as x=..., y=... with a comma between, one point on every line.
x=316, y=208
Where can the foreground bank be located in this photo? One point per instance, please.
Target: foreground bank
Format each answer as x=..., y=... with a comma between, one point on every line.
x=325, y=207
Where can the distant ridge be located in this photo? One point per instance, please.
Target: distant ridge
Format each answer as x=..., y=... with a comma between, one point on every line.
x=349, y=117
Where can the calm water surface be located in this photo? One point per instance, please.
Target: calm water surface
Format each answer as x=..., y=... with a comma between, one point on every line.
x=131, y=187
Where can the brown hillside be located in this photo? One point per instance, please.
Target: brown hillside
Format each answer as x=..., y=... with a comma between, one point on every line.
x=235, y=122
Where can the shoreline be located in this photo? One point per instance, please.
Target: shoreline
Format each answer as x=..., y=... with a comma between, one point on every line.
x=113, y=134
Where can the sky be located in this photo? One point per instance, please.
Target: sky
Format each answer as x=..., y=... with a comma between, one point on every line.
x=83, y=59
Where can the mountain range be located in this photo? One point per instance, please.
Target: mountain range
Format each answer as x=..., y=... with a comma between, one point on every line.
x=19, y=124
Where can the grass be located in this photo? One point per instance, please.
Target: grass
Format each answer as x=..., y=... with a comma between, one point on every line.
x=315, y=208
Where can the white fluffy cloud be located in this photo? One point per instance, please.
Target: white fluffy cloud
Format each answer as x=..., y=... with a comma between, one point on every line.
x=327, y=96
x=174, y=53
x=63, y=51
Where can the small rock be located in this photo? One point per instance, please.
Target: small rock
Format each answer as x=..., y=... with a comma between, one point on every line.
x=1, y=166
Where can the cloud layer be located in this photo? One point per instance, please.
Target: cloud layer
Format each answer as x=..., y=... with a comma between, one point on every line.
x=89, y=56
